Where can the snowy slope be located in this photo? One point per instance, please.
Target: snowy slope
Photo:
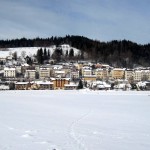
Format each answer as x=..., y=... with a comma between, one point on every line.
x=74, y=120
x=33, y=50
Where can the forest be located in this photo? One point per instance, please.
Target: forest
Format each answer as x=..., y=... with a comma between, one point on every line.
x=118, y=53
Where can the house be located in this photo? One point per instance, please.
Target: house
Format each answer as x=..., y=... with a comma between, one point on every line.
x=44, y=73
x=59, y=83
x=70, y=86
x=145, y=75
x=102, y=73
x=22, y=85
x=129, y=74
x=86, y=71
x=9, y=72
x=30, y=74
x=43, y=85
x=137, y=75
x=100, y=85
x=118, y=73
x=35, y=85
x=89, y=78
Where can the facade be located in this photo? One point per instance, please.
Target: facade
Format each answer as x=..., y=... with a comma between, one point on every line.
x=137, y=75
x=129, y=74
x=30, y=74
x=59, y=83
x=86, y=71
x=37, y=85
x=21, y=85
x=9, y=72
x=118, y=73
x=102, y=73
x=70, y=86
x=44, y=73
x=146, y=75
x=44, y=85
x=90, y=78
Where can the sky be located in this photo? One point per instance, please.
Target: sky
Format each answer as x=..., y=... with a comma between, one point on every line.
x=102, y=20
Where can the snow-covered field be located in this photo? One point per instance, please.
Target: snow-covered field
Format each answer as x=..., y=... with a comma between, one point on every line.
x=74, y=120
x=30, y=51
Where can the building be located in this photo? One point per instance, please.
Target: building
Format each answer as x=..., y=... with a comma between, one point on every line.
x=9, y=72
x=118, y=73
x=129, y=74
x=145, y=75
x=102, y=73
x=70, y=86
x=44, y=85
x=86, y=71
x=30, y=74
x=90, y=78
x=44, y=73
x=137, y=75
x=59, y=83
x=36, y=85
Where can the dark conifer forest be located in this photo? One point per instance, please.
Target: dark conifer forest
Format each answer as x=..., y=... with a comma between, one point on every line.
x=121, y=53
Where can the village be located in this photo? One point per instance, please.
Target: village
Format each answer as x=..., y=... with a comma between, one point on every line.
x=71, y=75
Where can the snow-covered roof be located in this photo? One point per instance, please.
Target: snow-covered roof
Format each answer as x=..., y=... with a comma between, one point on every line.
x=21, y=83
x=60, y=78
x=25, y=65
x=4, y=87
x=11, y=69
x=70, y=85
x=119, y=69
x=60, y=72
x=42, y=82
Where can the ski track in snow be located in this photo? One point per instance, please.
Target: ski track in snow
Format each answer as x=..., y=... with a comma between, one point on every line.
x=73, y=133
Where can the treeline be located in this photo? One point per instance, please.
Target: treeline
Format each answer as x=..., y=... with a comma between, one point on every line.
x=117, y=53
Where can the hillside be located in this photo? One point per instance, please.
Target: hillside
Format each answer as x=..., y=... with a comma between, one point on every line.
x=117, y=53
x=30, y=51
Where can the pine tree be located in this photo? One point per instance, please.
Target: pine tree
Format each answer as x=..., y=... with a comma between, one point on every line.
x=48, y=54
x=71, y=53
x=80, y=85
x=45, y=54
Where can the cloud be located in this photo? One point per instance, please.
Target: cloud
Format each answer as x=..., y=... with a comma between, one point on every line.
x=97, y=19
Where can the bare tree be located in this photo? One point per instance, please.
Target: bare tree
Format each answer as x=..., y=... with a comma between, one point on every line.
x=23, y=54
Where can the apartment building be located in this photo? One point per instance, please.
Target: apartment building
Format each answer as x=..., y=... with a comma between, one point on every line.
x=137, y=75
x=102, y=73
x=129, y=74
x=59, y=83
x=30, y=74
x=118, y=73
x=9, y=72
x=44, y=73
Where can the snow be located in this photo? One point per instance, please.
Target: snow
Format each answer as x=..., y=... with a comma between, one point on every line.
x=30, y=51
x=74, y=120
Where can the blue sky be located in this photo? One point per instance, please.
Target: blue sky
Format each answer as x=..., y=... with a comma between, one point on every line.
x=103, y=20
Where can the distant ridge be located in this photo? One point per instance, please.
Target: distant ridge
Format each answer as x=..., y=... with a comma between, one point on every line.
x=121, y=53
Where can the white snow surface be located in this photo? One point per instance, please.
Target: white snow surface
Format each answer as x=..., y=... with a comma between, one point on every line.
x=74, y=120
x=30, y=51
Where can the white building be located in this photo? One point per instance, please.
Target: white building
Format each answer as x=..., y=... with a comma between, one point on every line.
x=31, y=74
x=146, y=75
x=9, y=72
x=137, y=75
x=129, y=74
x=44, y=73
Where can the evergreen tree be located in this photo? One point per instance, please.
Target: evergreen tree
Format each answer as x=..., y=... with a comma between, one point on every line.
x=45, y=54
x=48, y=54
x=15, y=55
x=80, y=85
x=40, y=56
x=71, y=53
